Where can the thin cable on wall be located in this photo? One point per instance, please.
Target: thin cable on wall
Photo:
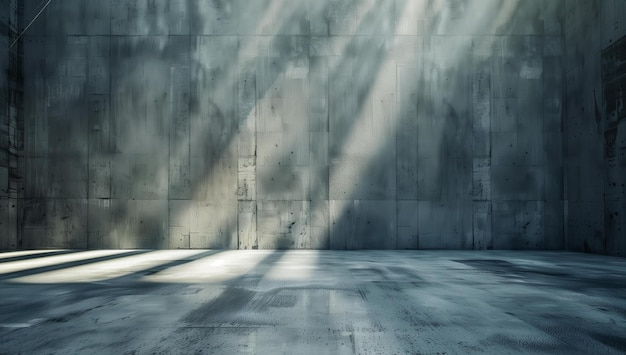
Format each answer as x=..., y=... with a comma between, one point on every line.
x=30, y=23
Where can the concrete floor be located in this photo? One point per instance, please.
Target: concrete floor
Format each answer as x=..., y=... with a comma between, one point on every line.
x=311, y=302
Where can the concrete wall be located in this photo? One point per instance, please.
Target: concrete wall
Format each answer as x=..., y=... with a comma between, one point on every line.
x=294, y=124
x=10, y=125
x=596, y=126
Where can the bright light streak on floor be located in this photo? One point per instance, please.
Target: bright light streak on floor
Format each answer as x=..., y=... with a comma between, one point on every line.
x=14, y=254
x=22, y=265
x=223, y=266
x=109, y=269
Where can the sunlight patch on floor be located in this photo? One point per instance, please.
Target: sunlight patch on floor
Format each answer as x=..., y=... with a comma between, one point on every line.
x=49, y=261
x=110, y=269
x=15, y=254
x=220, y=267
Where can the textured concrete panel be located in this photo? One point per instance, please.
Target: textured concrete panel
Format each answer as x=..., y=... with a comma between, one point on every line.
x=213, y=226
x=67, y=177
x=519, y=225
x=363, y=224
x=179, y=150
x=139, y=176
x=409, y=17
x=139, y=223
x=445, y=225
x=593, y=172
x=180, y=223
x=179, y=238
x=283, y=183
x=482, y=234
x=341, y=18
x=145, y=17
x=481, y=101
x=284, y=225
x=214, y=179
x=408, y=224
x=99, y=125
x=213, y=17
x=406, y=141
x=318, y=182
x=92, y=18
x=33, y=213
x=504, y=149
x=356, y=178
x=318, y=84
x=615, y=224
x=38, y=186
x=553, y=225
x=428, y=183
x=246, y=179
x=66, y=221
x=100, y=227
x=481, y=190
x=36, y=238
x=517, y=183
x=247, y=225
x=8, y=235
x=378, y=124
x=320, y=229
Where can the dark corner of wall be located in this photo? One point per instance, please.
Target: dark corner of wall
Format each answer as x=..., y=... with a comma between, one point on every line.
x=11, y=122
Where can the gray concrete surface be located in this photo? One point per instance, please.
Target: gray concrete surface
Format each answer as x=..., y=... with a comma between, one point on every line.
x=311, y=302
x=5, y=242
x=11, y=122
x=595, y=163
x=293, y=124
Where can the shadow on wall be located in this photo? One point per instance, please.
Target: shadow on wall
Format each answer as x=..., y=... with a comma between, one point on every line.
x=510, y=166
x=280, y=124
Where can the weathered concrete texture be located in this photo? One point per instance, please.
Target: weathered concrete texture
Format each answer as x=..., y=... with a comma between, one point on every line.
x=595, y=136
x=11, y=125
x=301, y=124
x=311, y=302
x=6, y=242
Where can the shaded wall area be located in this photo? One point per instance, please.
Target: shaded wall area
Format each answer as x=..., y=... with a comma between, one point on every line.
x=294, y=124
x=596, y=126
x=11, y=127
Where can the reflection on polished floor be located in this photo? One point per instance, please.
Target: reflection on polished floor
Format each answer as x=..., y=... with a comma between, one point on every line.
x=311, y=302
